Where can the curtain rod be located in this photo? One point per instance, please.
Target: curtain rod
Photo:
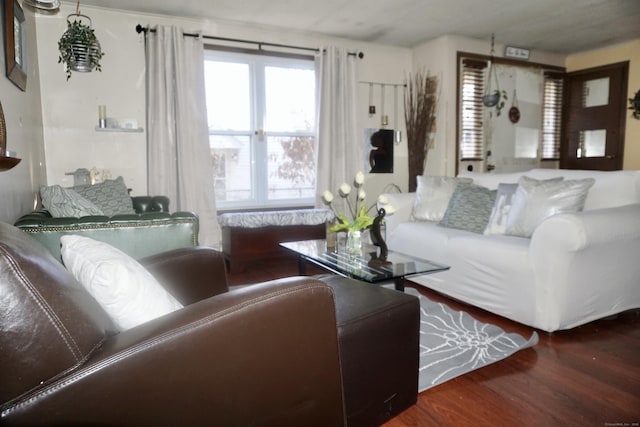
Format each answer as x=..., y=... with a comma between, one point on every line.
x=364, y=82
x=141, y=29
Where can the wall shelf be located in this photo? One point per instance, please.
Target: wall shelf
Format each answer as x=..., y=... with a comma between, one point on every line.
x=129, y=130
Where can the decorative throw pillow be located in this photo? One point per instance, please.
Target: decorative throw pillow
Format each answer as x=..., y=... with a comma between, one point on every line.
x=123, y=287
x=534, y=201
x=64, y=202
x=112, y=196
x=432, y=196
x=497, y=223
x=469, y=208
x=498, y=220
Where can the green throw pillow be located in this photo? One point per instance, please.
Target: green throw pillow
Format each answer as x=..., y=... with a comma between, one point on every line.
x=469, y=208
x=112, y=196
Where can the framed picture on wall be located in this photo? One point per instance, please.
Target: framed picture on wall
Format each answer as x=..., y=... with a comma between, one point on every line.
x=14, y=43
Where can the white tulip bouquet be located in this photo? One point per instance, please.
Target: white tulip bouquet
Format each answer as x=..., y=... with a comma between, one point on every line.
x=359, y=214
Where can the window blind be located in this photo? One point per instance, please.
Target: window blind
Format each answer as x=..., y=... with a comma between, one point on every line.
x=551, y=115
x=471, y=109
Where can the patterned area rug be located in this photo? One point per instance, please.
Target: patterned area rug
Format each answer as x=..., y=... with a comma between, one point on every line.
x=453, y=343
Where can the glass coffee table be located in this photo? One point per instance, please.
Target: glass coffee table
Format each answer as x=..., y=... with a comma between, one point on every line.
x=363, y=266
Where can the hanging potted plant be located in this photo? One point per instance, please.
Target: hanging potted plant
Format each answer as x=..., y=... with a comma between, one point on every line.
x=493, y=96
x=79, y=48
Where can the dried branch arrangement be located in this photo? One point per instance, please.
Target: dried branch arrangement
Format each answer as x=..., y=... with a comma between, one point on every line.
x=420, y=102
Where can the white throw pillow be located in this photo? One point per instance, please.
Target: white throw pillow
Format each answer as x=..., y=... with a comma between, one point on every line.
x=433, y=194
x=504, y=199
x=123, y=287
x=534, y=201
x=497, y=223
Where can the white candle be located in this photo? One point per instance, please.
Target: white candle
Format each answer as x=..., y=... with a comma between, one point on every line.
x=102, y=116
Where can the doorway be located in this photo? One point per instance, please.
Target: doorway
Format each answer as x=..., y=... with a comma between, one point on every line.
x=594, y=117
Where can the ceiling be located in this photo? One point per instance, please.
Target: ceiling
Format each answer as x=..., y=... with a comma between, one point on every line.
x=562, y=26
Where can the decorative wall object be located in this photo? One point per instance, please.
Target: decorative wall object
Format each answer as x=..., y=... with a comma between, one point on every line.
x=635, y=105
x=514, y=111
x=6, y=163
x=14, y=43
x=79, y=47
x=379, y=149
x=420, y=101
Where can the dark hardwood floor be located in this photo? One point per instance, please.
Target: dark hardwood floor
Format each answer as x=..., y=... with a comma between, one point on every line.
x=587, y=376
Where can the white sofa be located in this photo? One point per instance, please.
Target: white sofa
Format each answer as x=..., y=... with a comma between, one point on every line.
x=575, y=268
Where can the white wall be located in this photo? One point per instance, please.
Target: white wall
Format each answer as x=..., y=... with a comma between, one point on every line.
x=24, y=133
x=439, y=57
x=70, y=108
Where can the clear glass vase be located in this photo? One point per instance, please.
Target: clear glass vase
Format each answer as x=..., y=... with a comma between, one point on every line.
x=354, y=242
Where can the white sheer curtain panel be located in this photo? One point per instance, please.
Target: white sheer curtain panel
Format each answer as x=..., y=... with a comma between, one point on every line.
x=339, y=142
x=178, y=155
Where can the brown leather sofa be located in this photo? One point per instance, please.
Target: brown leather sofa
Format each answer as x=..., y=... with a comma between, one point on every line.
x=299, y=351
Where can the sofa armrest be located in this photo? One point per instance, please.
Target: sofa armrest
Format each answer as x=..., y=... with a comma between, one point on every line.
x=578, y=231
x=189, y=274
x=263, y=355
x=403, y=206
x=592, y=255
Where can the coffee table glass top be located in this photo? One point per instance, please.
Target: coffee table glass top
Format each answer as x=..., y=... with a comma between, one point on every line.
x=364, y=266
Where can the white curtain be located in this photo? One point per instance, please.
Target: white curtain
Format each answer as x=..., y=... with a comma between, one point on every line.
x=179, y=159
x=340, y=147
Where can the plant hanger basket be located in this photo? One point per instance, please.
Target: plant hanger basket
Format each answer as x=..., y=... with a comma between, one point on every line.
x=493, y=96
x=79, y=47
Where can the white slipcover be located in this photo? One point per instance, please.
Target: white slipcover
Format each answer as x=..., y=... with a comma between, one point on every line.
x=575, y=268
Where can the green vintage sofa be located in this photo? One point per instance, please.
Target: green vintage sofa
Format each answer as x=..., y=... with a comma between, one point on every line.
x=151, y=230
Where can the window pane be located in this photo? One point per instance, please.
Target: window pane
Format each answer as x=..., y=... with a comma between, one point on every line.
x=291, y=167
x=595, y=93
x=290, y=99
x=228, y=95
x=231, y=167
x=246, y=95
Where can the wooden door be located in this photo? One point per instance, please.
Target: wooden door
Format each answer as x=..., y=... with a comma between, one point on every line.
x=594, y=117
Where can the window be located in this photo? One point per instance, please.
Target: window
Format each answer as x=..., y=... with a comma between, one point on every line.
x=262, y=126
x=551, y=115
x=473, y=74
x=472, y=113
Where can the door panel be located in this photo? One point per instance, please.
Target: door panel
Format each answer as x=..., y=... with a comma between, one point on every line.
x=593, y=135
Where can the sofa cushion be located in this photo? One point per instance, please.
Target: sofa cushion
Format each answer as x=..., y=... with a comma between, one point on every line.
x=112, y=196
x=497, y=223
x=535, y=200
x=611, y=188
x=123, y=287
x=491, y=180
x=469, y=208
x=65, y=202
x=432, y=196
